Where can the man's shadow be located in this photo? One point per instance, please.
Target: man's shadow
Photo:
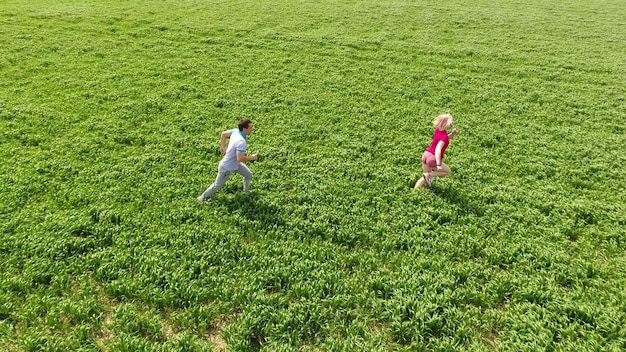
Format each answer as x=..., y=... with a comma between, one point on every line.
x=251, y=207
x=452, y=196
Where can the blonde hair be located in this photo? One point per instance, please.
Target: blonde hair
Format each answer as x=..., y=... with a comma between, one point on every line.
x=443, y=122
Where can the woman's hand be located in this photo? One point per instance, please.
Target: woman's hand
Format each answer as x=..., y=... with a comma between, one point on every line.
x=453, y=133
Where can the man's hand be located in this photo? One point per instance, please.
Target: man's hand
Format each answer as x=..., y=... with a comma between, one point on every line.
x=253, y=157
x=223, y=137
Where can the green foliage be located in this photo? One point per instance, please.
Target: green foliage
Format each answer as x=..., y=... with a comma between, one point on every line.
x=110, y=114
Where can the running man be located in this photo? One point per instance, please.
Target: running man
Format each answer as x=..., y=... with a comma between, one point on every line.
x=234, y=158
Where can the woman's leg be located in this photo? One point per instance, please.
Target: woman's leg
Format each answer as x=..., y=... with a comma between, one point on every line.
x=445, y=171
x=427, y=171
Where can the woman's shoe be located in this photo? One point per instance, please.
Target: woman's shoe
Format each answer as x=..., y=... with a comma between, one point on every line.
x=429, y=179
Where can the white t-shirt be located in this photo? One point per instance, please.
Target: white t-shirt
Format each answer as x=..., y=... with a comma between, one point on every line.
x=237, y=143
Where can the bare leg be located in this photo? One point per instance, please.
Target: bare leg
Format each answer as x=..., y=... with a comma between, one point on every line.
x=422, y=181
x=445, y=171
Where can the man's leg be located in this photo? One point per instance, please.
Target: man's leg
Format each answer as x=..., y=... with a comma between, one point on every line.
x=247, y=176
x=220, y=180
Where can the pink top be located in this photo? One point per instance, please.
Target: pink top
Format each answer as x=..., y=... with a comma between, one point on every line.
x=439, y=136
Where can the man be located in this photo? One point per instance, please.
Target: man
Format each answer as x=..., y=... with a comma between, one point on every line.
x=234, y=158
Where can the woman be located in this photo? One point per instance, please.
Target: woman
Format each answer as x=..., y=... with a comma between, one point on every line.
x=432, y=159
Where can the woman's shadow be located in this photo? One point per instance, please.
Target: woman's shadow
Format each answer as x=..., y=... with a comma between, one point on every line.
x=452, y=196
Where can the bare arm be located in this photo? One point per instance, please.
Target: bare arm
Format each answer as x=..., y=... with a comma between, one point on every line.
x=243, y=158
x=225, y=135
x=438, y=150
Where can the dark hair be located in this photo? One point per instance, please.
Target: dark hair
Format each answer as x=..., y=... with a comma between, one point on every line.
x=243, y=123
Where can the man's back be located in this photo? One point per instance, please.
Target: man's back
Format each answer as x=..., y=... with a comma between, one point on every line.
x=237, y=143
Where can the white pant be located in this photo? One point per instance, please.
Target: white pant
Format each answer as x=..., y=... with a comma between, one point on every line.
x=222, y=177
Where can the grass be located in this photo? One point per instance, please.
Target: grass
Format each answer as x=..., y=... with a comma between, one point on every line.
x=110, y=114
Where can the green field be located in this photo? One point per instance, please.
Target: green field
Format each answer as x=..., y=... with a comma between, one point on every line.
x=110, y=116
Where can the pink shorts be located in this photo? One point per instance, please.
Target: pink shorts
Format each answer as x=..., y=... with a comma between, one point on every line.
x=428, y=158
